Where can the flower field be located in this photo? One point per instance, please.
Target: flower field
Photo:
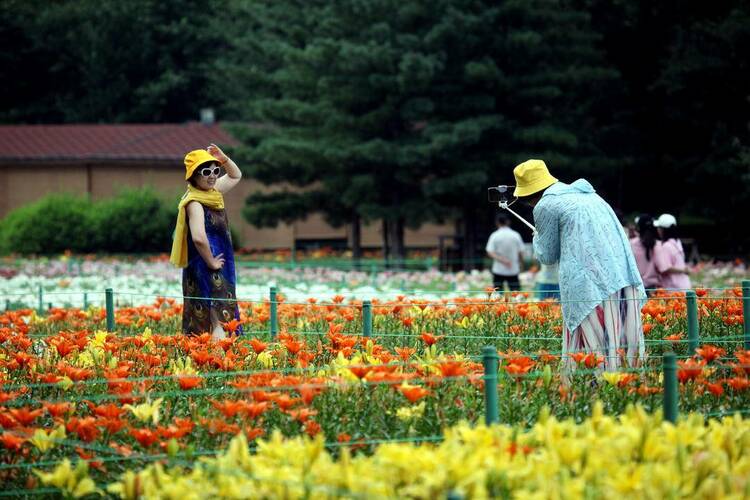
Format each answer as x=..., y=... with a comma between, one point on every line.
x=138, y=282
x=336, y=397
x=552, y=459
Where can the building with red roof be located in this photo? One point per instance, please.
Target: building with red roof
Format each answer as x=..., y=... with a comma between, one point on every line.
x=132, y=143
x=98, y=160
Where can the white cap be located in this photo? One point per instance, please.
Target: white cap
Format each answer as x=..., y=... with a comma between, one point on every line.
x=665, y=220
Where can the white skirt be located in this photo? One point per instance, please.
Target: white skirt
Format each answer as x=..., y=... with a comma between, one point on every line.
x=614, y=325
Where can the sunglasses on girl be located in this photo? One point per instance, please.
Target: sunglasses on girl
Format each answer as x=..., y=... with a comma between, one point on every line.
x=208, y=171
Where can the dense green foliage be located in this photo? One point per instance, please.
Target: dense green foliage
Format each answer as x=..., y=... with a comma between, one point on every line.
x=107, y=61
x=51, y=225
x=404, y=112
x=133, y=221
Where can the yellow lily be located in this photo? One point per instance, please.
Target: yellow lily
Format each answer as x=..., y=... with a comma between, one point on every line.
x=65, y=383
x=182, y=366
x=612, y=378
x=45, y=442
x=146, y=411
x=266, y=359
x=127, y=488
x=409, y=412
x=74, y=483
x=100, y=339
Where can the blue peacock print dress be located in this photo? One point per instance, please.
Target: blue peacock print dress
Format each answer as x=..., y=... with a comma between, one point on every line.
x=205, y=290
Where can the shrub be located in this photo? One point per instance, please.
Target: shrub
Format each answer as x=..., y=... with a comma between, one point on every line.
x=50, y=225
x=135, y=221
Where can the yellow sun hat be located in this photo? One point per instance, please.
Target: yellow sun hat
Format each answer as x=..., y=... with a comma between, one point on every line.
x=531, y=176
x=195, y=159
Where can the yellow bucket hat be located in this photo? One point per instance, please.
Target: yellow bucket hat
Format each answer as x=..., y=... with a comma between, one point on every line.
x=532, y=176
x=195, y=159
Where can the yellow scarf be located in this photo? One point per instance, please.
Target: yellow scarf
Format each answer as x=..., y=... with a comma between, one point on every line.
x=212, y=199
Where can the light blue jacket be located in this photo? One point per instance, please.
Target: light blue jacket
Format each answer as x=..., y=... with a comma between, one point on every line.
x=578, y=229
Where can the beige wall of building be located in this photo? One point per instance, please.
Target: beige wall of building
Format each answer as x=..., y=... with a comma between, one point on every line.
x=20, y=185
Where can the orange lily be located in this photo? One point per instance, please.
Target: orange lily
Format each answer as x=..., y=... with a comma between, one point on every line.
x=405, y=353
x=57, y=409
x=228, y=407
x=145, y=437
x=11, y=442
x=231, y=326
x=430, y=339
x=24, y=416
x=258, y=345
x=413, y=392
x=690, y=369
x=188, y=382
x=710, y=352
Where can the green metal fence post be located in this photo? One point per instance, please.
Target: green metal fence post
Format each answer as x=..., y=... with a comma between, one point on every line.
x=490, y=362
x=40, y=307
x=692, y=320
x=670, y=387
x=367, y=318
x=85, y=301
x=274, y=313
x=746, y=311
x=109, y=299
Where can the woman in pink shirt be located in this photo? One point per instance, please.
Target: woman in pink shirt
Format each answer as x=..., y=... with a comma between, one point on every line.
x=644, y=248
x=670, y=257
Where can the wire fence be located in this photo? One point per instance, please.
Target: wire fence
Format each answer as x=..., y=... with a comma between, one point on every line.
x=696, y=308
x=43, y=299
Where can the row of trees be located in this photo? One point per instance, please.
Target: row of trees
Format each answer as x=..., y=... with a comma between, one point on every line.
x=404, y=112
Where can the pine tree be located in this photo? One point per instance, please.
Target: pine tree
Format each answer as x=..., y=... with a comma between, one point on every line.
x=704, y=86
x=111, y=61
x=405, y=111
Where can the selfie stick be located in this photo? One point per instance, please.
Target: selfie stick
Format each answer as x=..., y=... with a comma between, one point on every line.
x=504, y=204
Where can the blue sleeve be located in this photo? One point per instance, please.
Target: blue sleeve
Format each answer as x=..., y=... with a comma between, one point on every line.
x=547, y=239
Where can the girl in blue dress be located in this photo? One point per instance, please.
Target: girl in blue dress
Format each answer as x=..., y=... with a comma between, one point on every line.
x=203, y=245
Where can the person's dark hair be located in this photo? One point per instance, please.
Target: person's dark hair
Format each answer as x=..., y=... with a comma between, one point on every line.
x=647, y=233
x=532, y=199
x=669, y=233
x=502, y=218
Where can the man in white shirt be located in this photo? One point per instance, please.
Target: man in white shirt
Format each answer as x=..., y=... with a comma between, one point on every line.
x=505, y=248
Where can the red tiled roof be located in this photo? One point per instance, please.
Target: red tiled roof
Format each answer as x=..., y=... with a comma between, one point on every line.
x=108, y=142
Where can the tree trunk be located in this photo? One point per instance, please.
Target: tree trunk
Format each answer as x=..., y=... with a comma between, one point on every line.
x=396, y=241
x=386, y=246
x=356, y=230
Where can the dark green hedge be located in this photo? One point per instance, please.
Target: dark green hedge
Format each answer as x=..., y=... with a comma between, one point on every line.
x=135, y=221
